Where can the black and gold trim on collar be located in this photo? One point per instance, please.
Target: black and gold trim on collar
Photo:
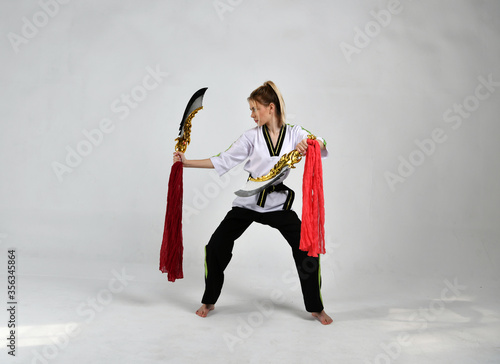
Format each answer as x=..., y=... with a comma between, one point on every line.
x=274, y=151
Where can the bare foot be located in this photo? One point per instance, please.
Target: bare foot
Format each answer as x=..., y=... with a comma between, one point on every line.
x=323, y=317
x=204, y=310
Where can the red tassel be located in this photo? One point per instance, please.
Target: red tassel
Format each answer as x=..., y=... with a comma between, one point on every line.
x=171, y=246
x=312, y=234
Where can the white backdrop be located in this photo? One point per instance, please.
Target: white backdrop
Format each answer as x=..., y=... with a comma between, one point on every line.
x=405, y=93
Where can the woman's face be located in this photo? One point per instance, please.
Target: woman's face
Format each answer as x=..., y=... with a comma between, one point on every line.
x=260, y=114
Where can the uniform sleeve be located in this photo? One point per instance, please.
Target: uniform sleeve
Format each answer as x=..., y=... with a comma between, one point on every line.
x=302, y=133
x=234, y=155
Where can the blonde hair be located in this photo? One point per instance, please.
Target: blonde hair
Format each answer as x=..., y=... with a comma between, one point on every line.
x=269, y=93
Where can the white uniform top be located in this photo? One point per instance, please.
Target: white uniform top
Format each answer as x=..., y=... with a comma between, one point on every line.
x=256, y=146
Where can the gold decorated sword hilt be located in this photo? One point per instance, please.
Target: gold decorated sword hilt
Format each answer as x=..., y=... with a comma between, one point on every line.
x=184, y=140
x=286, y=160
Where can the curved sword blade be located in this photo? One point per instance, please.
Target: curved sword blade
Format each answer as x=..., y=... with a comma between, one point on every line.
x=252, y=188
x=194, y=103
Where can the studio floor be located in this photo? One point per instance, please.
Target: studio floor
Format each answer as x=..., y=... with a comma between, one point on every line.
x=117, y=312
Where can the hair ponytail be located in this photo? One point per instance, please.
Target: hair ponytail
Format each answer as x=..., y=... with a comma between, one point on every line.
x=269, y=93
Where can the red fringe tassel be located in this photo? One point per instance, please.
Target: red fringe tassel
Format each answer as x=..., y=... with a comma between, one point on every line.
x=312, y=234
x=171, y=246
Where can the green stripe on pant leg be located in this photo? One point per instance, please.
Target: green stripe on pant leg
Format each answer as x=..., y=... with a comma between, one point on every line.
x=206, y=267
x=319, y=278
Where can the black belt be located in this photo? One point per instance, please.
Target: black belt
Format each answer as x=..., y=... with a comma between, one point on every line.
x=261, y=201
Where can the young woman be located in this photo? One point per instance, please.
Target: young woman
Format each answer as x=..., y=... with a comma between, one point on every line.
x=262, y=145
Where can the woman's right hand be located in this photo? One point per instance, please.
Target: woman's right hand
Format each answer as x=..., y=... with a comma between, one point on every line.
x=179, y=157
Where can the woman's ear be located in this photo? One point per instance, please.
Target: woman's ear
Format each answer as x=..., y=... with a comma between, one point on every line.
x=271, y=108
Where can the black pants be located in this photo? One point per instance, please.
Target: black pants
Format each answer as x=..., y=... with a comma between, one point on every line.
x=218, y=252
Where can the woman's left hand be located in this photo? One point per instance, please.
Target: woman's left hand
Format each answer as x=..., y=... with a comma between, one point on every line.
x=302, y=146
